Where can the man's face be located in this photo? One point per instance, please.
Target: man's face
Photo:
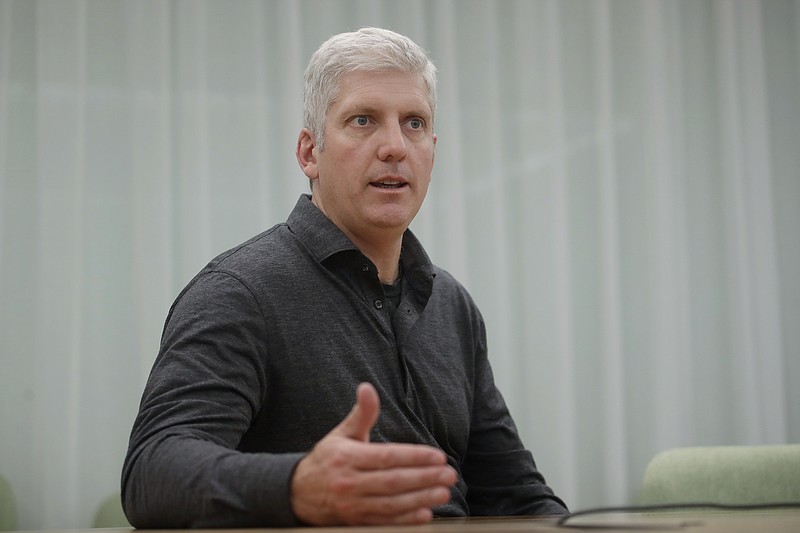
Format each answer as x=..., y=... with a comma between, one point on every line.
x=374, y=171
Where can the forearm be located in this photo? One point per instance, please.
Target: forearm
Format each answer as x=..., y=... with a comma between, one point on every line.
x=182, y=482
x=207, y=384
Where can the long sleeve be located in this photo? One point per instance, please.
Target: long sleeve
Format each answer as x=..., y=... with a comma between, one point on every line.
x=207, y=384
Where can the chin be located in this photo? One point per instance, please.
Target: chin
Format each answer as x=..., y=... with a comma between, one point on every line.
x=392, y=218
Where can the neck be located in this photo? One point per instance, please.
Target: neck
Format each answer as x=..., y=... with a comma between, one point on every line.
x=385, y=254
x=382, y=246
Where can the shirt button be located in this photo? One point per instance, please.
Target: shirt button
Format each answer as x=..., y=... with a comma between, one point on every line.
x=378, y=304
x=365, y=268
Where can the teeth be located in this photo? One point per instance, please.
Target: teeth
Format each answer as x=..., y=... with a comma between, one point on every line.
x=389, y=183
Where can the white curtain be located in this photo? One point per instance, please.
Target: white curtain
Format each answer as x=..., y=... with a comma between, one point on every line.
x=617, y=183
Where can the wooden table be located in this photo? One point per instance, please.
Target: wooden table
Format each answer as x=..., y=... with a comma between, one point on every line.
x=705, y=522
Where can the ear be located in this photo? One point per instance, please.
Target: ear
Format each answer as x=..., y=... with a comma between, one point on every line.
x=307, y=154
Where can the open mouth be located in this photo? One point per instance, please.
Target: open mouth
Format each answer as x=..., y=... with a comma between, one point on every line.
x=389, y=184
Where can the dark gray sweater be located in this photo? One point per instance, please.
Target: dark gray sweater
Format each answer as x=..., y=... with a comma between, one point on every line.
x=260, y=357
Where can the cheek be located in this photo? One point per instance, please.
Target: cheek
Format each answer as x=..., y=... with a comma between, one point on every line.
x=349, y=161
x=426, y=162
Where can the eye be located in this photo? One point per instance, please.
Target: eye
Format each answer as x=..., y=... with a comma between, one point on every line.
x=360, y=120
x=416, y=123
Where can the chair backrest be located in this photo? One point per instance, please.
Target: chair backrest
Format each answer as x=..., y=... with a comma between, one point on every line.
x=110, y=513
x=8, y=506
x=728, y=475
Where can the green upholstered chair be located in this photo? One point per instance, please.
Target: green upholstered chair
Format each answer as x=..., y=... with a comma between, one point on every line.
x=8, y=506
x=110, y=513
x=727, y=475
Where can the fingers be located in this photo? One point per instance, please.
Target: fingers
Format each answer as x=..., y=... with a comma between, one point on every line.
x=385, y=455
x=403, y=495
x=333, y=493
x=395, y=481
x=358, y=423
x=345, y=479
x=407, y=508
x=415, y=517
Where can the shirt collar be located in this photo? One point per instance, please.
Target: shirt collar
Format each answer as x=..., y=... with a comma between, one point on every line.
x=324, y=239
x=321, y=236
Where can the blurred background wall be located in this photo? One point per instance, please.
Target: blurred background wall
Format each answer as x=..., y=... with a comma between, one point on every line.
x=617, y=183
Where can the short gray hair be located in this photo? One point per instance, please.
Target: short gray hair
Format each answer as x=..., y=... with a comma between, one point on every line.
x=368, y=49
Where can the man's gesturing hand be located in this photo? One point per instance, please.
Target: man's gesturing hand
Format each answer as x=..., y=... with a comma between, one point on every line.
x=348, y=480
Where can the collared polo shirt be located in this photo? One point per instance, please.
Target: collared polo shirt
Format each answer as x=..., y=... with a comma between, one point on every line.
x=260, y=358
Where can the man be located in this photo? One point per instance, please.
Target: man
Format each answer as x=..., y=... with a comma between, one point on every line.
x=247, y=418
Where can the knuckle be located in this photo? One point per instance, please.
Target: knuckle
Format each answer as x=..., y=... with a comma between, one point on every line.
x=392, y=483
x=384, y=457
x=348, y=512
x=339, y=458
x=343, y=485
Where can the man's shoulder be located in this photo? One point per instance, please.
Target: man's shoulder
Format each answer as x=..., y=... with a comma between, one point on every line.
x=260, y=257
x=250, y=266
x=444, y=278
x=449, y=287
x=270, y=246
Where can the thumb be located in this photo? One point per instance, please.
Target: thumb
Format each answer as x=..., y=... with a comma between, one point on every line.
x=358, y=423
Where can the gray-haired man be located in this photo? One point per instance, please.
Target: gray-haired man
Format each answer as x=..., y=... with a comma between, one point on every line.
x=247, y=418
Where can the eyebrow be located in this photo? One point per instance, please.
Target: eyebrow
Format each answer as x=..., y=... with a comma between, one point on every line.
x=366, y=109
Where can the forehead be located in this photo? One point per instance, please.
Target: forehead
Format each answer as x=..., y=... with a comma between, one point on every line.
x=382, y=89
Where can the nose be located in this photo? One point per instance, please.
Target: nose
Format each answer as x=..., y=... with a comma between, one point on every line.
x=392, y=143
